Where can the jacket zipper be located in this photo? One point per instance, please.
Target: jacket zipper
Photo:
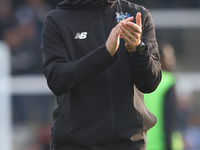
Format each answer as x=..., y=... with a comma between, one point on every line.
x=109, y=76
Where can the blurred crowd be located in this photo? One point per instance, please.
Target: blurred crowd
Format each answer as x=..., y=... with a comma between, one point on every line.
x=21, y=29
x=166, y=4
x=21, y=24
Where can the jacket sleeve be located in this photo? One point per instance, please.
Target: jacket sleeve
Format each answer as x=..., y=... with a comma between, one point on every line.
x=61, y=73
x=146, y=68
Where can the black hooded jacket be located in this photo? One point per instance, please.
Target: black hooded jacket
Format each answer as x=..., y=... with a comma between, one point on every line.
x=99, y=98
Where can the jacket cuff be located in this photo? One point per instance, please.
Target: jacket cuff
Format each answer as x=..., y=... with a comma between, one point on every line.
x=138, y=61
x=103, y=57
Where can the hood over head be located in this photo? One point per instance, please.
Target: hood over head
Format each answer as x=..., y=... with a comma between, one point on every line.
x=76, y=4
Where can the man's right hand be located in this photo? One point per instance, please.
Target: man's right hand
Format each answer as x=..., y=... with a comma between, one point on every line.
x=113, y=41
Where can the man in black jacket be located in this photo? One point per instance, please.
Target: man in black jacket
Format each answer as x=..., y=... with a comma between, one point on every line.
x=98, y=60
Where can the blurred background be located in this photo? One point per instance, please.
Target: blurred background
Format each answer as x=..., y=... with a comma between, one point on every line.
x=26, y=104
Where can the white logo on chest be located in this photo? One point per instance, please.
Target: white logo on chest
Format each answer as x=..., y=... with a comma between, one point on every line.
x=81, y=36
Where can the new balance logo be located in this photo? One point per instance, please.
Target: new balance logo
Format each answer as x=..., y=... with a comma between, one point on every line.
x=81, y=36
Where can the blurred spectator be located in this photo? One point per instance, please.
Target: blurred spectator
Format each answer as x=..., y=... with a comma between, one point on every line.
x=22, y=32
x=19, y=37
x=21, y=28
x=162, y=103
x=6, y=16
x=39, y=9
x=189, y=118
x=192, y=132
x=169, y=3
x=30, y=16
x=168, y=58
x=189, y=3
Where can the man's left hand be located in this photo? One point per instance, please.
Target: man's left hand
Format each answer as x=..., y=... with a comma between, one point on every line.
x=131, y=33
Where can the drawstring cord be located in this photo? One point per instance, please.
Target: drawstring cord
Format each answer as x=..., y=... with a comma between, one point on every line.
x=119, y=6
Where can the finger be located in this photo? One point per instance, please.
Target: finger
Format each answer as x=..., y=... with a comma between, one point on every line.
x=128, y=28
x=138, y=19
x=132, y=34
x=115, y=34
x=116, y=29
x=118, y=32
x=128, y=43
x=126, y=32
x=129, y=19
x=130, y=37
x=127, y=40
x=133, y=27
